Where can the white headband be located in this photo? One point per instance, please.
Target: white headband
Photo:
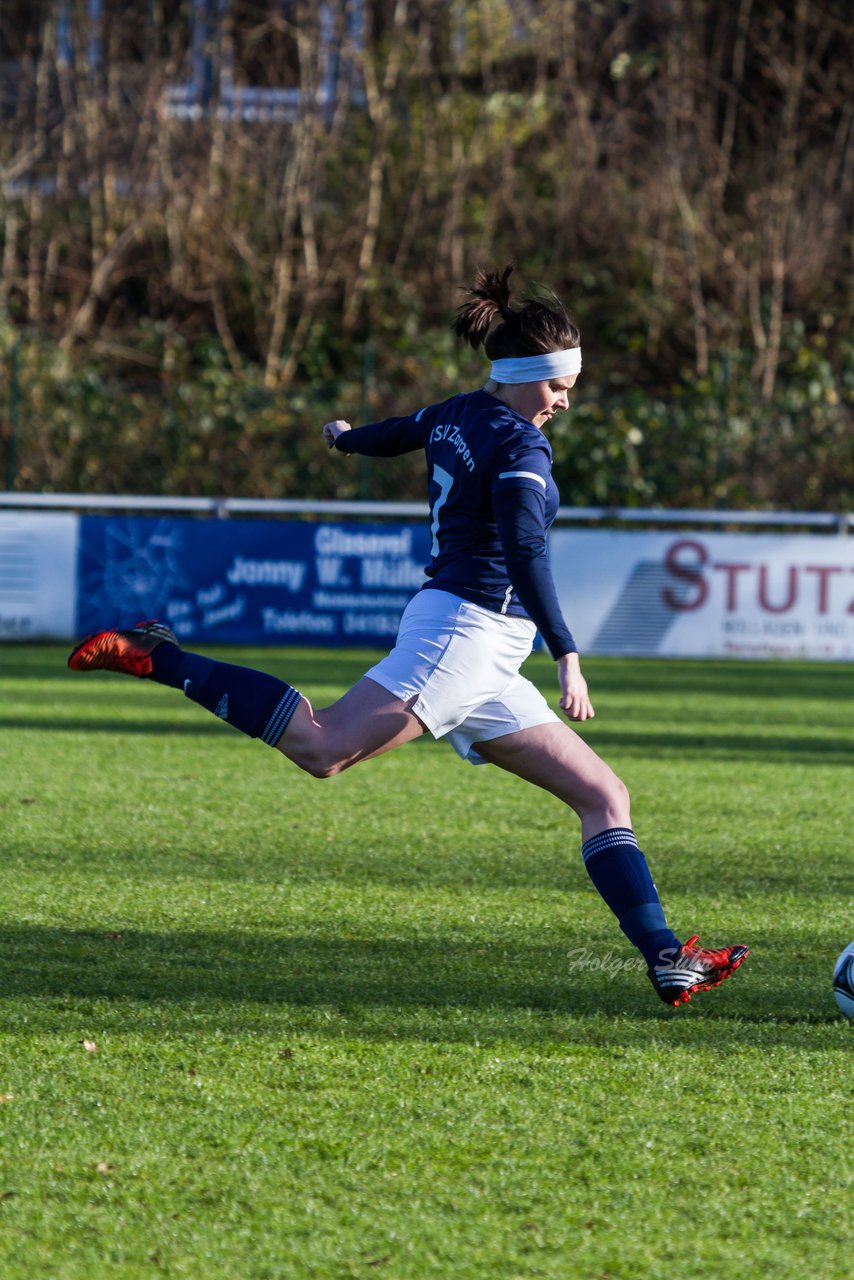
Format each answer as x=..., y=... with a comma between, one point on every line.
x=555, y=364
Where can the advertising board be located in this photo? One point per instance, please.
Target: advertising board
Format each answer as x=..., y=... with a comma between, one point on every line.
x=251, y=581
x=707, y=594
x=38, y=575
x=313, y=582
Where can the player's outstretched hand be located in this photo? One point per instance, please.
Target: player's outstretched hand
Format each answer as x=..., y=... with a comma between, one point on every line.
x=574, y=698
x=332, y=430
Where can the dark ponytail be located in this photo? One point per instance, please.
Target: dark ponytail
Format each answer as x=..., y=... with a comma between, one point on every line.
x=489, y=295
x=538, y=326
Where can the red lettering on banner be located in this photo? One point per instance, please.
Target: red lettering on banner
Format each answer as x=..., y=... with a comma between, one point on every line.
x=690, y=573
x=771, y=587
x=791, y=598
x=824, y=571
x=732, y=571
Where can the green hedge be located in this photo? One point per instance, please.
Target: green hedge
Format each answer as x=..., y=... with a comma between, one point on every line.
x=199, y=428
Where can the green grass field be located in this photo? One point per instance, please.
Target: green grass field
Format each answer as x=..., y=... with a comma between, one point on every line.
x=350, y=1028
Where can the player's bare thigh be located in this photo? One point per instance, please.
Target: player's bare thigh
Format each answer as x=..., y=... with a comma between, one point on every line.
x=554, y=757
x=367, y=721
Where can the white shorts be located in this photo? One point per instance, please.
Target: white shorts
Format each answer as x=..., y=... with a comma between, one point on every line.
x=461, y=663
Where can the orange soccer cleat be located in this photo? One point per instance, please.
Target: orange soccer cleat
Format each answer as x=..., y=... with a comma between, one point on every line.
x=126, y=651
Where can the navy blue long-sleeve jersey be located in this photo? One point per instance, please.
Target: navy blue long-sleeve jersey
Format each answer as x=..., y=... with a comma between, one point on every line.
x=492, y=500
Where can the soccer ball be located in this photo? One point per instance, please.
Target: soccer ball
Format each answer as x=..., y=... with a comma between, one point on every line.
x=843, y=981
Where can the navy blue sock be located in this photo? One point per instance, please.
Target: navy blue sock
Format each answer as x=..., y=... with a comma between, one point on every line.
x=257, y=704
x=618, y=869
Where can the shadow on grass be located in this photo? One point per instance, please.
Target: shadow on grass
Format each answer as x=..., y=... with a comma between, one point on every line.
x=796, y=750
x=783, y=681
x=90, y=724
x=50, y=663
x=438, y=990
x=725, y=746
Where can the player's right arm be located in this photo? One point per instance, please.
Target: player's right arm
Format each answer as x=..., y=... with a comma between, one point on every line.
x=332, y=430
x=386, y=439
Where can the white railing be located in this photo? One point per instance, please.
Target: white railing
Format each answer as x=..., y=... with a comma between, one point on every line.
x=840, y=523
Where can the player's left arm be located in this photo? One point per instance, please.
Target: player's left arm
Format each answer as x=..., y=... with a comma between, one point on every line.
x=574, y=696
x=519, y=487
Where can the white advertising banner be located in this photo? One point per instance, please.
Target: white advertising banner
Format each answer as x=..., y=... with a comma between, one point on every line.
x=706, y=595
x=38, y=575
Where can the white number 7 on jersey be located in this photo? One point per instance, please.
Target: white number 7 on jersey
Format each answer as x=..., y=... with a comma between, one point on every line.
x=442, y=478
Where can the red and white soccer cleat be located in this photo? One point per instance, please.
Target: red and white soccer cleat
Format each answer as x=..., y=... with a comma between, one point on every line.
x=694, y=968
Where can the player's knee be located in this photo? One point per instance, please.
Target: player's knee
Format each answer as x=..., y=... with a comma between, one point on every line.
x=318, y=767
x=609, y=796
x=311, y=749
x=618, y=792
x=328, y=769
x=317, y=762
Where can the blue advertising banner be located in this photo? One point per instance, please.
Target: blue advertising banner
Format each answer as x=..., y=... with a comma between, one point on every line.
x=250, y=581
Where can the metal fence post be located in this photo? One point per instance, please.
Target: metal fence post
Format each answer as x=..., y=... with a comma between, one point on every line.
x=368, y=367
x=14, y=414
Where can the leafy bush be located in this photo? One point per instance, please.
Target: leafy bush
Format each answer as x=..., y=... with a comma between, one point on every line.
x=199, y=428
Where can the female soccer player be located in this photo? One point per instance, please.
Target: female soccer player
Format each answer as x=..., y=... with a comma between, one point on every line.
x=454, y=669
